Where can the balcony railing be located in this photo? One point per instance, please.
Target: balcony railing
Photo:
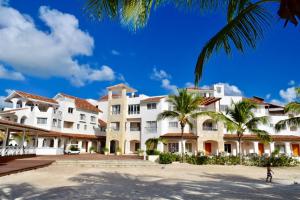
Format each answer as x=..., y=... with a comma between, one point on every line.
x=18, y=150
x=209, y=128
x=135, y=129
x=115, y=112
x=151, y=129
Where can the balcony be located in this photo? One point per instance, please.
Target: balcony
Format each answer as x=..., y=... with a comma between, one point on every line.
x=151, y=129
x=209, y=128
x=132, y=129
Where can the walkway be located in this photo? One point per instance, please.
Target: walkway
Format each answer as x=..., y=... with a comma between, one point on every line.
x=88, y=156
x=21, y=165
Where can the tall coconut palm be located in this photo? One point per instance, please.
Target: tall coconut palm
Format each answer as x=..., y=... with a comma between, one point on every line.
x=240, y=118
x=294, y=108
x=185, y=110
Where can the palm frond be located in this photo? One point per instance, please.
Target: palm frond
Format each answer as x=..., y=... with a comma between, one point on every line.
x=167, y=114
x=244, y=30
x=262, y=135
x=283, y=124
x=254, y=122
x=293, y=107
x=101, y=8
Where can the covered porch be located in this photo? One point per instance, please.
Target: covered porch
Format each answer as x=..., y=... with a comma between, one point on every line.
x=173, y=143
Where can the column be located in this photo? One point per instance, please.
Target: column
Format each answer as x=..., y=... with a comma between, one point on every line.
x=237, y=148
x=4, y=142
x=55, y=143
x=184, y=141
x=127, y=147
x=23, y=140
x=89, y=145
x=288, y=148
x=80, y=145
x=40, y=142
x=160, y=147
x=272, y=147
x=255, y=145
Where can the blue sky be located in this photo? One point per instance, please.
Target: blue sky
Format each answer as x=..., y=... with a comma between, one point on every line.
x=46, y=52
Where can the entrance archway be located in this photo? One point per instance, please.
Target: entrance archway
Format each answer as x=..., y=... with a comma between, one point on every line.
x=113, y=146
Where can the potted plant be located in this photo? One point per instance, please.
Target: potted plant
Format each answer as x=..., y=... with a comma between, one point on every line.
x=140, y=152
x=151, y=146
x=106, y=150
x=92, y=149
x=118, y=152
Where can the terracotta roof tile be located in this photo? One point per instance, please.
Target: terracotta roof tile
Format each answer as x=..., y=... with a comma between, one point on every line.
x=254, y=137
x=102, y=123
x=82, y=103
x=209, y=100
x=178, y=135
x=152, y=99
x=36, y=97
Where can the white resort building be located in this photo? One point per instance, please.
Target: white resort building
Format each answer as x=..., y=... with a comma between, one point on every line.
x=123, y=121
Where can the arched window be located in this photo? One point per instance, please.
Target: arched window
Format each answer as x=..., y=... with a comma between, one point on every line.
x=44, y=143
x=23, y=120
x=19, y=104
x=51, y=143
x=209, y=125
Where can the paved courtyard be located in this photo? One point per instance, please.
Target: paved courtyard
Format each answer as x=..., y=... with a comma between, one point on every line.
x=176, y=181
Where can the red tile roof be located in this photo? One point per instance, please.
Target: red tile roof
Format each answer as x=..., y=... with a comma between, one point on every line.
x=36, y=97
x=261, y=101
x=72, y=135
x=209, y=100
x=18, y=126
x=102, y=123
x=152, y=99
x=82, y=103
x=178, y=135
x=254, y=137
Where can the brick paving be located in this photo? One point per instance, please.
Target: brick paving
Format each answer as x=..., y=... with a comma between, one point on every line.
x=88, y=156
x=21, y=165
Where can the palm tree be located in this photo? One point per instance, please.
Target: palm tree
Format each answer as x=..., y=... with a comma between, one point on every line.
x=246, y=20
x=151, y=143
x=185, y=110
x=239, y=118
x=293, y=107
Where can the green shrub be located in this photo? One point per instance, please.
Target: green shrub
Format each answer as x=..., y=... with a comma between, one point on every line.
x=152, y=152
x=105, y=149
x=274, y=160
x=167, y=158
x=92, y=149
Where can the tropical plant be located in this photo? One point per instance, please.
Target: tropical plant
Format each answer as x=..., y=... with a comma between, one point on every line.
x=151, y=145
x=19, y=137
x=92, y=149
x=246, y=20
x=239, y=118
x=294, y=118
x=186, y=110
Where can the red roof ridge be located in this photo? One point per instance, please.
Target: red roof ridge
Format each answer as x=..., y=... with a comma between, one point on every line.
x=34, y=96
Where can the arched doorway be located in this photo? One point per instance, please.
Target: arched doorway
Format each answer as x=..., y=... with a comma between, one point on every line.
x=113, y=146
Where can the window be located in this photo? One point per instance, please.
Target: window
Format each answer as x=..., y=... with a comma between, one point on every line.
x=227, y=148
x=41, y=120
x=219, y=89
x=133, y=109
x=151, y=106
x=93, y=119
x=188, y=147
x=70, y=110
x=173, y=124
x=171, y=107
x=223, y=108
x=209, y=125
x=271, y=125
x=59, y=124
x=82, y=117
x=151, y=126
x=115, y=126
x=135, y=126
x=280, y=147
x=293, y=128
x=85, y=127
x=116, y=109
x=78, y=126
x=103, y=129
x=173, y=147
x=54, y=123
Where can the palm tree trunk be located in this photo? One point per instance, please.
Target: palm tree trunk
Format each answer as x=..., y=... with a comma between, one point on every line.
x=240, y=150
x=182, y=149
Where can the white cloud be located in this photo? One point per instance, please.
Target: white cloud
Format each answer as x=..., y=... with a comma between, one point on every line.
x=10, y=75
x=291, y=82
x=164, y=77
x=115, y=52
x=159, y=74
x=166, y=84
x=52, y=53
x=189, y=85
x=286, y=95
x=231, y=90
x=4, y=104
x=268, y=96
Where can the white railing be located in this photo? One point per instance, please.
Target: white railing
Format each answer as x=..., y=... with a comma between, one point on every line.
x=135, y=129
x=151, y=129
x=17, y=150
